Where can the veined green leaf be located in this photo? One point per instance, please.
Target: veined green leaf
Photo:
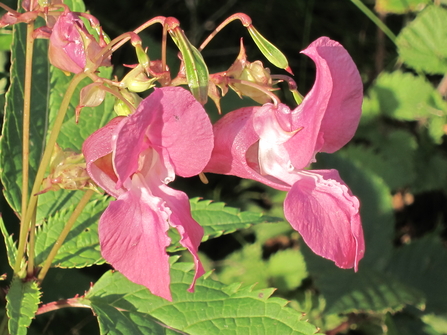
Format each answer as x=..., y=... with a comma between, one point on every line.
x=217, y=220
x=81, y=247
x=22, y=300
x=421, y=44
x=11, y=249
x=123, y=307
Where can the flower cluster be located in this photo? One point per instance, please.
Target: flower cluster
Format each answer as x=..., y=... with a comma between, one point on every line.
x=137, y=154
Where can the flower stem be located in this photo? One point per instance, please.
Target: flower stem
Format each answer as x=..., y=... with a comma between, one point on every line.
x=71, y=221
x=368, y=12
x=43, y=166
x=25, y=129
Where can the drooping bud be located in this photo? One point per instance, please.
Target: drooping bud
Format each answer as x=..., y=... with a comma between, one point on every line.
x=72, y=48
x=68, y=172
x=91, y=95
x=137, y=80
x=243, y=70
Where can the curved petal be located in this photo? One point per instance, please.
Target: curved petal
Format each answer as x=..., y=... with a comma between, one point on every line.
x=190, y=231
x=172, y=119
x=133, y=238
x=345, y=105
x=97, y=149
x=323, y=210
x=236, y=147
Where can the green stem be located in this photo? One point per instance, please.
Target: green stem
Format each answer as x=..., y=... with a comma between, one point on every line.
x=368, y=12
x=71, y=221
x=31, y=245
x=26, y=120
x=44, y=164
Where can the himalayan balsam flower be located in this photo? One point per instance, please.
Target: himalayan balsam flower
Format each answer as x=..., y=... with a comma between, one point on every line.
x=274, y=145
x=72, y=48
x=134, y=158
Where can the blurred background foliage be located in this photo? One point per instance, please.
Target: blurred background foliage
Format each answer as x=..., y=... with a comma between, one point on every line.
x=396, y=164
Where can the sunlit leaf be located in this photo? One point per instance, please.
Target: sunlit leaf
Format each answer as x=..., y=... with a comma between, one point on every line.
x=421, y=44
x=123, y=307
x=22, y=300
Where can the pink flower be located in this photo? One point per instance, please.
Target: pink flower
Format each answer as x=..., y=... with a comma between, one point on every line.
x=72, y=48
x=133, y=159
x=274, y=145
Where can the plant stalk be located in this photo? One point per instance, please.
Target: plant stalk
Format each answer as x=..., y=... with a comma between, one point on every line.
x=44, y=164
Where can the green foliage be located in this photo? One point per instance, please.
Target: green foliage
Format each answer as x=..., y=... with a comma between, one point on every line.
x=81, y=247
x=400, y=6
x=11, y=249
x=218, y=219
x=422, y=43
x=22, y=300
x=126, y=308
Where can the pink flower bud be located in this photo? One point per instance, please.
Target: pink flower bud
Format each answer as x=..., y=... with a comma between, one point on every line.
x=72, y=47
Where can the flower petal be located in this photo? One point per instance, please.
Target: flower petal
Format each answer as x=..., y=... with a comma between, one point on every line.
x=345, y=105
x=323, y=210
x=96, y=149
x=133, y=237
x=190, y=231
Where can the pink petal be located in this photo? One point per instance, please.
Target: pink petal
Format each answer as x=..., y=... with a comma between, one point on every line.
x=345, y=105
x=190, y=231
x=236, y=150
x=170, y=118
x=133, y=237
x=323, y=210
x=95, y=149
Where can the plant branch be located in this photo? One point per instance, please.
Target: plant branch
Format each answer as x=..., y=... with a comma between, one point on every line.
x=44, y=164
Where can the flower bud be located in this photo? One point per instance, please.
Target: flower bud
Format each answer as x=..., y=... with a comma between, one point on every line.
x=72, y=48
x=67, y=171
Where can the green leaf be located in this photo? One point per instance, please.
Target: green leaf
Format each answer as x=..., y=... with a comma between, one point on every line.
x=11, y=140
x=11, y=249
x=421, y=44
x=421, y=264
x=287, y=269
x=404, y=96
x=400, y=6
x=367, y=290
x=217, y=220
x=81, y=247
x=22, y=300
x=213, y=309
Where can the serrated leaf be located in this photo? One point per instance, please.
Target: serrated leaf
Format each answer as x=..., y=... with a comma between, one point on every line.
x=400, y=6
x=218, y=219
x=22, y=300
x=11, y=249
x=421, y=264
x=421, y=44
x=404, y=96
x=212, y=309
x=367, y=290
x=81, y=247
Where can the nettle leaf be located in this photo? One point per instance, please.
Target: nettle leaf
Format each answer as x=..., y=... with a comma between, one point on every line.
x=22, y=300
x=217, y=220
x=400, y=6
x=11, y=248
x=368, y=290
x=421, y=44
x=81, y=247
x=421, y=264
x=407, y=97
x=123, y=307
